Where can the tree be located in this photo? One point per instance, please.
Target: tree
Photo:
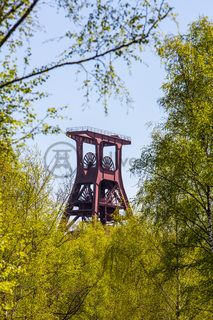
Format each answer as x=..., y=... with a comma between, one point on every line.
x=95, y=272
x=44, y=272
x=101, y=34
x=177, y=185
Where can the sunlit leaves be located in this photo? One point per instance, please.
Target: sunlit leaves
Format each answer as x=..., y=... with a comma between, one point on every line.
x=177, y=167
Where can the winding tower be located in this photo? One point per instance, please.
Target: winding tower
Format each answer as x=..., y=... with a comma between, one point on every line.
x=98, y=188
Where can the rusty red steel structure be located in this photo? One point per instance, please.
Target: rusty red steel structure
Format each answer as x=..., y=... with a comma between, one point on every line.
x=98, y=188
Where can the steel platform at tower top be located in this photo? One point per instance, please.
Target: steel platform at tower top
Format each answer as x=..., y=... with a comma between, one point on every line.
x=87, y=131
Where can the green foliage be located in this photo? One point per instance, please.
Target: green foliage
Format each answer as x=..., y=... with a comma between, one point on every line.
x=134, y=270
x=17, y=114
x=177, y=167
x=44, y=273
x=99, y=34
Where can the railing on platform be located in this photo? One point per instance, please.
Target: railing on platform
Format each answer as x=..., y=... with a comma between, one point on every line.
x=104, y=132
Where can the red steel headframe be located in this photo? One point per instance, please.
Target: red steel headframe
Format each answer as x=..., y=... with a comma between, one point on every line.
x=98, y=189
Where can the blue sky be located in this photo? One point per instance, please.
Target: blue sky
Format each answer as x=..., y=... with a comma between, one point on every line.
x=144, y=85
